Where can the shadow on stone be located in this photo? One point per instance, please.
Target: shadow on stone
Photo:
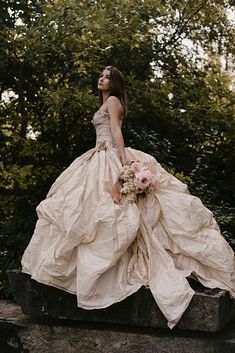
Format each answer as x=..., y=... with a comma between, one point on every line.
x=20, y=333
x=9, y=338
x=210, y=309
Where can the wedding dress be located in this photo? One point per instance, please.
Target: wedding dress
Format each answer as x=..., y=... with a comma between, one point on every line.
x=103, y=252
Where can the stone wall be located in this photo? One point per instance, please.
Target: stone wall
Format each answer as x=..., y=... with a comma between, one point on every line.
x=209, y=310
x=20, y=333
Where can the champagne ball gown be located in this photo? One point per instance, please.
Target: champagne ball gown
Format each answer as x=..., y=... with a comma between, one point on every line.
x=102, y=252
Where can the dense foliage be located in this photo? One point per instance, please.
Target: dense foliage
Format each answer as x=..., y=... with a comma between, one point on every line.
x=177, y=57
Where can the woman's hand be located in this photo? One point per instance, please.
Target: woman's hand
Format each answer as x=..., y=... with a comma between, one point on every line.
x=116, y=192
x=124, y=161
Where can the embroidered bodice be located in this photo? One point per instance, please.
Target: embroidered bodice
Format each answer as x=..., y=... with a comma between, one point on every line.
x=102, y=126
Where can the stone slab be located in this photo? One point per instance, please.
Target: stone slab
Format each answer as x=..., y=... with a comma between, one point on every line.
x=20, y=333
x=209, y=310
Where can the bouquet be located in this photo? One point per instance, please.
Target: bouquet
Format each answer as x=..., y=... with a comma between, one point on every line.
x=135, y=179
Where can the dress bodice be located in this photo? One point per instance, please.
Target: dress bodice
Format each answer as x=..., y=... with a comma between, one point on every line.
x=101, y=122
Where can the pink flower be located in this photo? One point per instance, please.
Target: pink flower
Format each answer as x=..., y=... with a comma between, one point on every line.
x=135, y=179
x=136, y=167
x=143, y=179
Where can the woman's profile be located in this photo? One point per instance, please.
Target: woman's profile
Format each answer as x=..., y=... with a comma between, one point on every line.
x=90, y=240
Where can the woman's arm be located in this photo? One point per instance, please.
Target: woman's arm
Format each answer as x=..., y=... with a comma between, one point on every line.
x=115, y=113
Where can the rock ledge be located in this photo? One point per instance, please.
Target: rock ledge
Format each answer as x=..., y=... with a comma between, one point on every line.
x=209, y=310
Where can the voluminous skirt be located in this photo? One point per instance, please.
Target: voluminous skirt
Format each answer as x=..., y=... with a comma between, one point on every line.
x=103, y=252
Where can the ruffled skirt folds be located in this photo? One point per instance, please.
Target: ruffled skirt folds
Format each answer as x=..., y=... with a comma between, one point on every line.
x=103, y=252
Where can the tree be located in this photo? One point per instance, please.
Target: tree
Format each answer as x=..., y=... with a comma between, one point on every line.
x=180, y=103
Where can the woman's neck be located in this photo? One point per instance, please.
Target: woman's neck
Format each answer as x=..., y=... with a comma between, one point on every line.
x=105, y=96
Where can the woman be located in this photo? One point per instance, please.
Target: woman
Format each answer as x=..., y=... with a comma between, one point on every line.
x=92, y=242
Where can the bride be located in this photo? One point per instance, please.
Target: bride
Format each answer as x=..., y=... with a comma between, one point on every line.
x=90, y=240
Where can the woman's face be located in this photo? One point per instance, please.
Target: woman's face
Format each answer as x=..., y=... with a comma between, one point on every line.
x=104, y=82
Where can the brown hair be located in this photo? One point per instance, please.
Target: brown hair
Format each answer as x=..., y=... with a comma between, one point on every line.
x=118, y=87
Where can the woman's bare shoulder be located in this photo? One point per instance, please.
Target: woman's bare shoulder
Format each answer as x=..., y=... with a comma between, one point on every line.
x=114, y=103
